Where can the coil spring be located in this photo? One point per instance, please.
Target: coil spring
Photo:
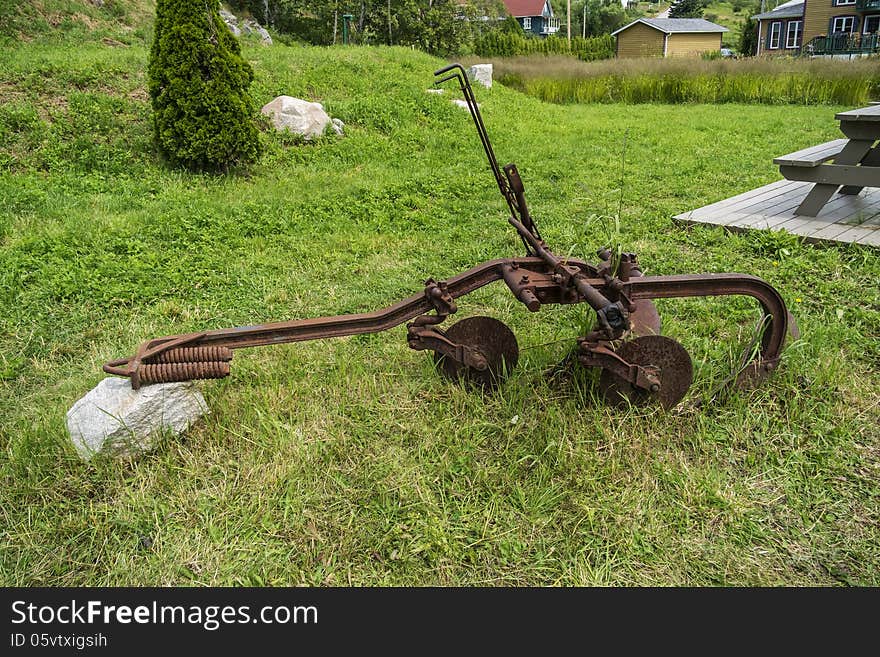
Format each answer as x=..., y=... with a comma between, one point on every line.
x=170, y=372
x=195, y=355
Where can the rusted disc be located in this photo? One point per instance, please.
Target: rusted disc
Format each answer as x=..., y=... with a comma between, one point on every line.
x=493, y=339
x=676, y=372
x=645, y=320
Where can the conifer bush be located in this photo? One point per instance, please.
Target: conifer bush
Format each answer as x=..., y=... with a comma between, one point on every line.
x=203, y=114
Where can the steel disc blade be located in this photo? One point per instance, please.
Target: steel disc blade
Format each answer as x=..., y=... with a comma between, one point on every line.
x=676, y=372
x=645, y=320
x=493, y=339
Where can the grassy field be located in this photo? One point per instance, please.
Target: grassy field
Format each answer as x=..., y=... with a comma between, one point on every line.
x=351, y=461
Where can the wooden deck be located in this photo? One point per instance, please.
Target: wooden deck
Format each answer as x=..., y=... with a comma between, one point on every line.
x=854, y=219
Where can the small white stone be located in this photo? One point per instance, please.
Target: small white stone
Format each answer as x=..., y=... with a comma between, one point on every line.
x=338, y=126
x=435, y=91
x=481, y=73
x=114, y=418
x=462, y=103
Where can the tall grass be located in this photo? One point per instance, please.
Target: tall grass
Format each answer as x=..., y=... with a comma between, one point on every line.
x=763, y=81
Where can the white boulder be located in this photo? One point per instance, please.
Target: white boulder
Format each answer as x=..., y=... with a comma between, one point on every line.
x=112, y=417
x=481, y=73
x=298, y=116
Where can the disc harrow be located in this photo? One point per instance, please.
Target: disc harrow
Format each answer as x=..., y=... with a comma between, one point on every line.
x=638, y=365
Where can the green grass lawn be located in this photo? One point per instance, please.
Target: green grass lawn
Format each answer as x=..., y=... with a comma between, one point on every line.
x=351, y=461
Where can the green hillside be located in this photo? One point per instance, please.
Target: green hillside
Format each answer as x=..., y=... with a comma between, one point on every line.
x=351, y=461
x=76, y=21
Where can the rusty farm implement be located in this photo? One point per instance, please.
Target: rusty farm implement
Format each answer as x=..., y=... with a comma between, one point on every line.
x=638, y=364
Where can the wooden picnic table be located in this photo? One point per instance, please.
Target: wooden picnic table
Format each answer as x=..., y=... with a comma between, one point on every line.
x=856, y=161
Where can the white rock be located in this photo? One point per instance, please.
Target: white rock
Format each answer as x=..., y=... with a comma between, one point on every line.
x=481, y=73
x=298, y=116
x=231, y=22
x=112, y=417
x=250, y=26
x=434, y=91
x=338, y=126
x=461, y=103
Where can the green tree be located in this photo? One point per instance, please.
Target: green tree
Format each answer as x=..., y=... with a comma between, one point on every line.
x=748, y=41
x=686, y=9
x=203, y=113
x=511, y=26
x=600, y=16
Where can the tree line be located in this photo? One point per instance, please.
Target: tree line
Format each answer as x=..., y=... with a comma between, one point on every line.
x=440, y=27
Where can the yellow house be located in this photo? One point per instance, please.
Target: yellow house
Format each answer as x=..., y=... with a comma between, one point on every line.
x=781, y=30
x=845, y=28
x=668, y=37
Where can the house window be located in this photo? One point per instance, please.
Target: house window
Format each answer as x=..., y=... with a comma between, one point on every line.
x=793, y=34
x=838, y=3
x=527, y=23
x=872, y=24
x=775, y=31
x=843, y=24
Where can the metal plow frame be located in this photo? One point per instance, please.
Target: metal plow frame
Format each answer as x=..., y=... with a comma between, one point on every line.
x=617, y=291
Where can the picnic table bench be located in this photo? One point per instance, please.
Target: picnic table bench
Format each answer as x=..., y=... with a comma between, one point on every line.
x=856, y=161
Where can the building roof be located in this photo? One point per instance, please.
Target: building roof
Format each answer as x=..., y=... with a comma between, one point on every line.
x=676, y=25
x=790, y=9
x=521, y=8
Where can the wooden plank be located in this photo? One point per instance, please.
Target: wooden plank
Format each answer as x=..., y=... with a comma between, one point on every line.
x=842, y=207
x=777, y=213
x=861, y=214
x=812, y=156
x=786, y=203
x=870, y=113
x=871, y=240
x=835, y=174
x=806, y=226
x=740, y=199
x=724, y=214
x=873, y=222
x=861, y=131
x=829, y=231
x=872, y=159
x=856, y=234
x=723, y=218
x=771, y=207
x=836, y=210
x=759, y=222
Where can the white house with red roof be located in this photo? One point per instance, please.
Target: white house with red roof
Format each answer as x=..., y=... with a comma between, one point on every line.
x=535, y=16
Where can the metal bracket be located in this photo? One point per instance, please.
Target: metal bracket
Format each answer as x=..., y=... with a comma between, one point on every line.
x=424, y=338
x=592, y=354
